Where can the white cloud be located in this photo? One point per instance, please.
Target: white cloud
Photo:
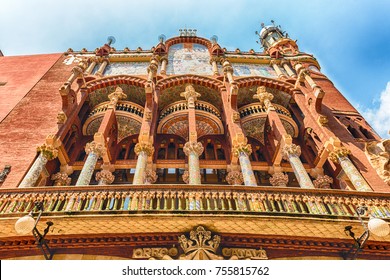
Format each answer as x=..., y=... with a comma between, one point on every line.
x=379, y=116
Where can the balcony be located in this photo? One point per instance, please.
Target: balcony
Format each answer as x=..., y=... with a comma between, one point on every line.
x=182, y=106
x=253, y=118
x=186, y=199
x=124, y=106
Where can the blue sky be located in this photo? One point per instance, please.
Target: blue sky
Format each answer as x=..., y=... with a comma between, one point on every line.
x=351, y=39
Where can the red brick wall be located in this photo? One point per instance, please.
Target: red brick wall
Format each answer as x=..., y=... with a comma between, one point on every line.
x=34, y=101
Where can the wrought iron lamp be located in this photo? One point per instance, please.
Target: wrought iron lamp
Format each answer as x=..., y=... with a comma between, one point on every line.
x=376, y=226
x=28, y=224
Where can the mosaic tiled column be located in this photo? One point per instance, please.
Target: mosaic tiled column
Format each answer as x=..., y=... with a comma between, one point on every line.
x=164, y=62
x=46, y=153
x=143, y=150
x=105, y=177
x=292, y=153
x=94, y=151
x=242, y=151
x=193, y=150
x=340, y=155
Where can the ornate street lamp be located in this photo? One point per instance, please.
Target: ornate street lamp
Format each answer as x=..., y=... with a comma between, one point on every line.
x=376, y=226
x=28, y=224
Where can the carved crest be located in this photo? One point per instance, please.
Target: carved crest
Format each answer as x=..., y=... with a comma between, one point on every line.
x=200, y=245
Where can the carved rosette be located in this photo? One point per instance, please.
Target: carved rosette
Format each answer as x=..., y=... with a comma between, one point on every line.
x=292, y=149
x=105, y=177
x=264, y=96
x=186, y=177
x=48, y=151
x=96, y=148
x=323, y=182
x=61, y=179
x=144, y=147
x=339, y=153
x=150, y=177
x=279, y=179
x=193, y=147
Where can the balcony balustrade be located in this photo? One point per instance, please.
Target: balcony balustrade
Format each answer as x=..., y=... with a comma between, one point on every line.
x=182, y=106
x=255, y=108
x=125, y=106
x=178, y=199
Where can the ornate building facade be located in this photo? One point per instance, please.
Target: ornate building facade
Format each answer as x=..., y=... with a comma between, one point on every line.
x=187, y=151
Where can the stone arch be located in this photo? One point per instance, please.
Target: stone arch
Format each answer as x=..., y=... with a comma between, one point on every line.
x=195, y=40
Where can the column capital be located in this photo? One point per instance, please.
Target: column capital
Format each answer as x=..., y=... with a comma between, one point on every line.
x=48, y=151
x=116, y=95
x=275, y=62
x=242, y=147
x=190, y=95
x=96, y=148
x=235, y=178
x=144, y=147
x=264, y=96
x=150, y=177
x=291, y=150
x=164, y=57
x=338, y=153
x=61, y=179
x=195, y=147
x=323, y=182
x=186, y=177
x=215, y=58
x=106, y=176
x=279, y=179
